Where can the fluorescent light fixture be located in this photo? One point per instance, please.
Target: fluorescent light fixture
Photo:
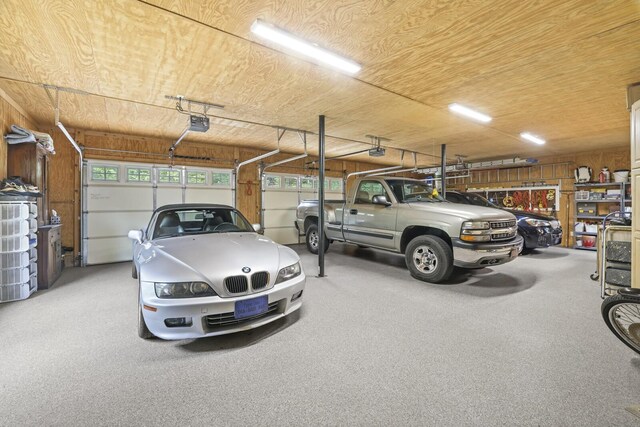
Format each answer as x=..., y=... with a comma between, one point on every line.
x=288, y=40
x=468, y=112
x=532, y=138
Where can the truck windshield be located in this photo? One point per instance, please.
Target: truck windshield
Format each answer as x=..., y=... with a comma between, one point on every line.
x=413, y=191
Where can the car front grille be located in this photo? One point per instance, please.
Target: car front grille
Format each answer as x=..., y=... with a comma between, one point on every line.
x=215, y=321
x=259, y=280
x=236, y=284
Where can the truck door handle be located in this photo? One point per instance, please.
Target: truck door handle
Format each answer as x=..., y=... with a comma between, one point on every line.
x=353, y=211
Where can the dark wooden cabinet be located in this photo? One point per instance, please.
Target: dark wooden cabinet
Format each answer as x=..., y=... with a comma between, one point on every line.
x=30, y=162
x=49, y=255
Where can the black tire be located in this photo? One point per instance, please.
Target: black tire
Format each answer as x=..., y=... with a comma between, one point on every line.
x=143, y=331
x=312, y=239
x=439, y=265
x=621, y=313
x=134, y=271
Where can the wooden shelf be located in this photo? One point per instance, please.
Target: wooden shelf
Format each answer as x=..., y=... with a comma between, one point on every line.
x=584, y=233
x=585, y=248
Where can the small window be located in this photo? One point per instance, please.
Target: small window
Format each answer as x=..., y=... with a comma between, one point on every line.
x=335, y=185
x=290, y=183
x=104, y=173
x=196, y=177
x=169, y=176
x=222, y=179
x=306, y=183
x=367, y=190
x=273, y=181
x=138, y=175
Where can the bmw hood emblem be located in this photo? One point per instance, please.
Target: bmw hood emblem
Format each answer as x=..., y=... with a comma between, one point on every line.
x=246, y=270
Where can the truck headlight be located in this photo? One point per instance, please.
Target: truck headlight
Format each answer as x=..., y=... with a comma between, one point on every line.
x=289, y=273
x=537, y=222
x=475, y=231
x=184, y=290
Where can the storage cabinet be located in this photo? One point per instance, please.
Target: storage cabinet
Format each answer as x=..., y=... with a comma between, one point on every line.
x=30, y=162
x=18, y=242
x=49, y=255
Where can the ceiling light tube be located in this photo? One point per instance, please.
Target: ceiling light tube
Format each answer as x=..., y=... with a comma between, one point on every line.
x=532, y=138
x=468, y=112
x=303, y=47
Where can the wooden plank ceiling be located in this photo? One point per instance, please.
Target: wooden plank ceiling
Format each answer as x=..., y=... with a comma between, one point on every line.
x=557, y=69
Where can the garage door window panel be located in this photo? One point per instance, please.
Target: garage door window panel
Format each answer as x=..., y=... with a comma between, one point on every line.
x=273, y=181
x=169, y=176
x=307, y=183
x=138, y=175
x=105, y=173
x=197, y=177
x=221, y=179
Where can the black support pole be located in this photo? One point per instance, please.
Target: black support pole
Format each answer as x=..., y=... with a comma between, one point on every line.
x=321, y=198
x=443, y=169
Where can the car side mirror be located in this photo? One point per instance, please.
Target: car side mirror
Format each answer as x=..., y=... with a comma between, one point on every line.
x=256, y=227
x=135, y=235
x=380, y=200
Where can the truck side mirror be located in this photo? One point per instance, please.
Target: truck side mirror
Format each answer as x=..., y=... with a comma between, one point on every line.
x=380, y=200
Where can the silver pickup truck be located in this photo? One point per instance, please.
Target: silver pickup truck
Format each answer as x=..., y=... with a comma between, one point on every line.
x=406, y=216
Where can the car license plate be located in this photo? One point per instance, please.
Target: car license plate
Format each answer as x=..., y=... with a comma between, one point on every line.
x=251, y=307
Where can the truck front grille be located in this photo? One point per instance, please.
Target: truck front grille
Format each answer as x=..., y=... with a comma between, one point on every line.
x=503, y=230
x=503, y=224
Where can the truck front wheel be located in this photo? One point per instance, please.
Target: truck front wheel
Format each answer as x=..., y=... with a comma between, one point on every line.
x=429, y=258
x=312, y=238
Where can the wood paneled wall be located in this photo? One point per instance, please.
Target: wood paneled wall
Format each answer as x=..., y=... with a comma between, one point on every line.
x=617, y=158
x=10, y=114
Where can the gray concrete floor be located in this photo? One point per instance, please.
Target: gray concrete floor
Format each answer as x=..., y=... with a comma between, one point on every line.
x=519, y=344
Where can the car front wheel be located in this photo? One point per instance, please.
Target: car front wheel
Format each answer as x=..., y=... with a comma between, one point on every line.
x=429, y=258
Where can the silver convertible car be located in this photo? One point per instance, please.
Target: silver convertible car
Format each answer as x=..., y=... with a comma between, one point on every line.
x=203, y=270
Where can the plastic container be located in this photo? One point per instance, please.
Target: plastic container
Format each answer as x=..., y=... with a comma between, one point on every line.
x=588, y=241
x=14, y=244
x=14, y=227
x=15, y=292
x=14, y=276
x=14, y=260
x=14, y=211
x=33, y=283
x=621, y=175
x=33, y=254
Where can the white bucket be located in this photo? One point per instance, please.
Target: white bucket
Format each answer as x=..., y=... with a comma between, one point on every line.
x=621, y=175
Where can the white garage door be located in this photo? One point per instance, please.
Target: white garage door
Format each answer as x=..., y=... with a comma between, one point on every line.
x=282, y=195
x=121, y=196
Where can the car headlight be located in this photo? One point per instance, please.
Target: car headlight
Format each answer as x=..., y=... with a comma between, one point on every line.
x=537, y=222
x=475, y=231
x=289, y=272
x=184, y=290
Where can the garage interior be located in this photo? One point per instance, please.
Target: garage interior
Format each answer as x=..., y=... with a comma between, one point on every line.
x=115, y=85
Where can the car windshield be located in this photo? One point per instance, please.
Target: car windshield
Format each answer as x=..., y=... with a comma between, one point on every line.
x=475, y=199
x=413, y=191
x=182, y=222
